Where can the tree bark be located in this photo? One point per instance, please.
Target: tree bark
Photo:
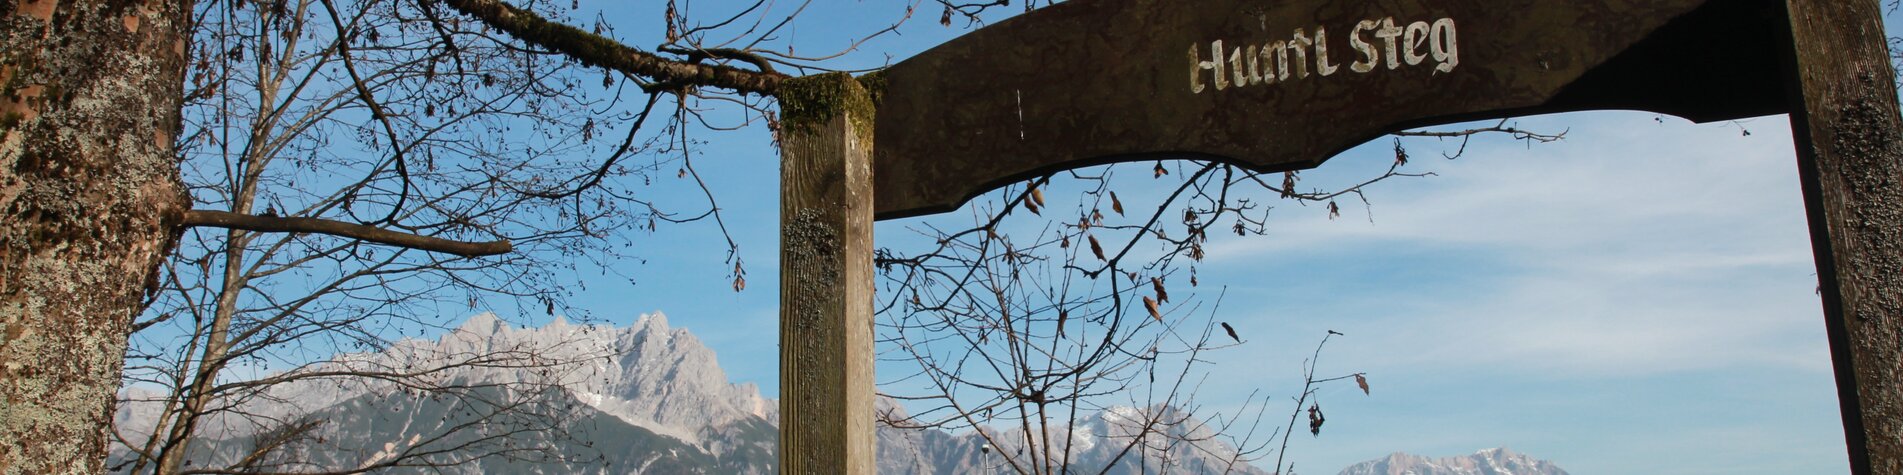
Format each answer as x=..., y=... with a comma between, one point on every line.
x=276, y=224
x=90, y=199
x=594, y=50
x=1850, y=153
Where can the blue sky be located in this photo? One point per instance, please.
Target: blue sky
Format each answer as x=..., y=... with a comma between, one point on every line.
x=1638, y=298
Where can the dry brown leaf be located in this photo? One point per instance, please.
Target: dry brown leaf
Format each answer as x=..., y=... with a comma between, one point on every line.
x=1096, y=248
x=1359, y=379
x=1116, y=204
x=1062, y=315
x=673, y=32
x=1151, y=306
x=1161, y=294
x=1315, y=419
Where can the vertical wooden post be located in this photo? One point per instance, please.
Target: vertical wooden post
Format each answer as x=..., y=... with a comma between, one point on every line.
x=1844, y=118
x=826, y=287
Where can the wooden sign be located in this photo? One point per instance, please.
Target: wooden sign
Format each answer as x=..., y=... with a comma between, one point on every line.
x=1283, y=85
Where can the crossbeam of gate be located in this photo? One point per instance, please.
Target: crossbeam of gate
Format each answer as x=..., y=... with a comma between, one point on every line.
x=1285, y=85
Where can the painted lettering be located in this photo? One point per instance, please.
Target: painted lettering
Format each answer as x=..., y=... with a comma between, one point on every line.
x=1416, y=43
x=1235, y=67
x=1300, y=44
x=1196, y=67
x=1215, y=65
x=1446, y=48
x=1321, y=53
x=1369, y=57
x=1281, y=60
x=1255, y=66
x=1267, y=56
x=1387, y=34
x=1416, y=38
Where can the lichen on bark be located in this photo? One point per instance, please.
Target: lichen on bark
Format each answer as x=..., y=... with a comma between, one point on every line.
x=89, y=201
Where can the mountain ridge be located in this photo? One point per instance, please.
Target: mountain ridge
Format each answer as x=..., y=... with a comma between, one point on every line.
x=656, y=391
x=1494, y=461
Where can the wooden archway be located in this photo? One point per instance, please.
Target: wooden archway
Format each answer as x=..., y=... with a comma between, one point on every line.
x=1285, y=85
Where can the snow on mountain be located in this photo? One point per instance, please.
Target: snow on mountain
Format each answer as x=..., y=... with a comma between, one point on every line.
x=648, y=374
x=646, y=397
x=1496, y=461
x=1100, y=440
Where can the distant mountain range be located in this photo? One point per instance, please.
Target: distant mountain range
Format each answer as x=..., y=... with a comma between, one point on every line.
x=641, y=399
x=1500, y=461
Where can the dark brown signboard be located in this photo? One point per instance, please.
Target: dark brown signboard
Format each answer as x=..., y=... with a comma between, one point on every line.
x=1282, y=85
x=1285, y=84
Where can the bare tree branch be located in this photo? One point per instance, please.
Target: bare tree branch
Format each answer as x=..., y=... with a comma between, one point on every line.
x=596, y=50
x=279, y=224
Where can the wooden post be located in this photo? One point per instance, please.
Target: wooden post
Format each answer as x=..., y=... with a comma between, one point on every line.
x=826, y=287
x=1844, y=119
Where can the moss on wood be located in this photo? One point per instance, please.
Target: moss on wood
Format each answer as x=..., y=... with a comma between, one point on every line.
x=808, y=103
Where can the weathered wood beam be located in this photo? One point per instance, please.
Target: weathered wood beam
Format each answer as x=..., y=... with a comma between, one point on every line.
x=826, y=285
x=1846, y=125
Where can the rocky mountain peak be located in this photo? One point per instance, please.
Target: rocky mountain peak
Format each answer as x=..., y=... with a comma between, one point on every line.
x=646, y=395
x=1494, y=461
x=485, y=323
x=648, y=373
x=656, y=320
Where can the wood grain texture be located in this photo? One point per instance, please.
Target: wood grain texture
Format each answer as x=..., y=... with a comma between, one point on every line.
x=1845, y=121
x=826, y=387
x=1087, y=82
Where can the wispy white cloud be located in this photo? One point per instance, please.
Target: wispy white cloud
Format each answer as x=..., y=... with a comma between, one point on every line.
x=1632, y=247
x=1611, y=184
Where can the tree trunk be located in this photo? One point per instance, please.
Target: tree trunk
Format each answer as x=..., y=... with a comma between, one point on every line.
x=89, y=202
x=184, y=423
